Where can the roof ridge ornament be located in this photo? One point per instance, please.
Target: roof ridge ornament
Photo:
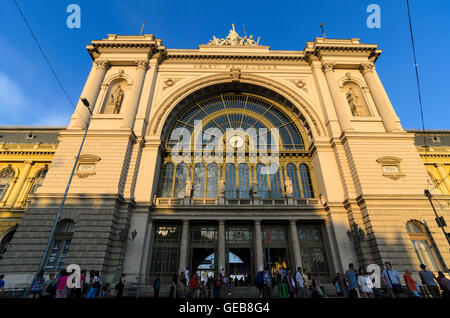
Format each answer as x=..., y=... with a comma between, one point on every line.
x=233, y=39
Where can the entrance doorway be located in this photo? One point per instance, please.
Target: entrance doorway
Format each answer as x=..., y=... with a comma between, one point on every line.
x=203, y=260
x=239, y=265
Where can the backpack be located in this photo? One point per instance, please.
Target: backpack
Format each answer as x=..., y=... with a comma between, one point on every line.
x=259, y=278
x=218, y=283
x=51, y=288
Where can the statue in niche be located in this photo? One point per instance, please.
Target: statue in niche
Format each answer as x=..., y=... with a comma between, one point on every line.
x=288, y=187
x=221, y=188
x=115, y=101
x=352, y=99
x=188, y=185
x=254, y=189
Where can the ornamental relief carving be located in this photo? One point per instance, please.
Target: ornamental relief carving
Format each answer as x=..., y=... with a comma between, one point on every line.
x=169, y=82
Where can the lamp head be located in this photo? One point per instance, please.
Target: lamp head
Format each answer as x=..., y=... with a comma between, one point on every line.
x=85, y=102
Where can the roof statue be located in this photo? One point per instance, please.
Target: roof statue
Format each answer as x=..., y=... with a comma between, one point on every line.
x=233, y=39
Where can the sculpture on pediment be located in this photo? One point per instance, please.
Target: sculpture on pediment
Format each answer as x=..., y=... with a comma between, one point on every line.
x=221, y=187
x=355, y=100
x=288, y=187
x=188, y=188
x=233, y=39
x=254, y=189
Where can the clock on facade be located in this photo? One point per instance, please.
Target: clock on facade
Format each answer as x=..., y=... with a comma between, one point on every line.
x=236, y=141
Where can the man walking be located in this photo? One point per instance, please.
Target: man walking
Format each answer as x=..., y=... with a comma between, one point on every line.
x=299, y=282
x=350, y=274
x=392, y=280
x=429, y=280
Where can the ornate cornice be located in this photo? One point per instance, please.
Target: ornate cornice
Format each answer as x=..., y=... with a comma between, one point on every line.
x=366, y=67
x=221, y=57
x=102, y=64
x=328, y=67
x=142, y=65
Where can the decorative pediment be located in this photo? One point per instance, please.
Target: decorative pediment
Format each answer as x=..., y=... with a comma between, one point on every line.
x=233, y=39
x=390, y=167
x=86, y=165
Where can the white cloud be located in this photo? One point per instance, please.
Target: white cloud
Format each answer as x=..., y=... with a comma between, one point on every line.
x=16, y=108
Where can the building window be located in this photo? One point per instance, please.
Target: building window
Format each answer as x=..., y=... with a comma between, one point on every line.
x=5, y=242
x=291, y=171
x=422, y=246
x=61, y=245
x=306, y=181
x=38, y=180
x=166, y=252
x=275, y=185
x=6, y=176
x=212, y=180
x=180, y=180
x=199, y=180
x=230, y=181
x=261, y=175
x=244, y=185
x=167, y=181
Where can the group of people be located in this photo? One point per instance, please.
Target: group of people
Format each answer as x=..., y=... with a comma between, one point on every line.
x=56, y=285
x=201, y=286
x=361, y=284
x=289, y=284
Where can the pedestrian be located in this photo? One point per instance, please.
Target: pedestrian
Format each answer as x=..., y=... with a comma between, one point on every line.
x=2, y=284
x=350, y=275
x=95, y=285
x=410, y=284
x=217, y=283
x=392, y=280
x=291, y=283
x=83, y=284
x=317, y=291
x=49, y=287
x=299, y=283
x=444, y=283
x=156, y=287
x=120, y=286
x=193, y=285
x=283, y=288
x=36, y=285
x=429, y=280
x=175, y=285
x=186, y=275
x=366, y=284
x=61, y=290
x=259, y=283
x=182, y=284
x=267, y=289
x=307, y=283
x=337, y=284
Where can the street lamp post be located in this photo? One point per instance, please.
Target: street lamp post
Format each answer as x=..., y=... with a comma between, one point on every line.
x=61, y=205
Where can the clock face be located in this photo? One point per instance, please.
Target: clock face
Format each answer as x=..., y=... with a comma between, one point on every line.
x=236, y=141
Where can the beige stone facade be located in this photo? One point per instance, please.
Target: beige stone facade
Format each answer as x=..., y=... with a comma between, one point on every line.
x=362, y=180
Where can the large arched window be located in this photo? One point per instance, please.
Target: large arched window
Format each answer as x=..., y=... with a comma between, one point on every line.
x=422, y=245
x=212, y=181
x=180, y=180
x=291, y=171
x=167, y=181
x=5, y=242
x=6, y=176
x=306, y=181
x=38, y=180
x=230, y=181
x=199, y=180
x=61, y=245
x=244, y=185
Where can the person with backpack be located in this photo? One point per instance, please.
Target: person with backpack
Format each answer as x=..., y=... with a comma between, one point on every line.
x=36, y=285
x=95, y=285
x=267, y=280
x=120, y=286
x=217, y=283
x=259, y=283
x=49, y=287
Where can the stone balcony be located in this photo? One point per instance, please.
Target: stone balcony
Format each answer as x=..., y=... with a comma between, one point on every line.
x=187, y=201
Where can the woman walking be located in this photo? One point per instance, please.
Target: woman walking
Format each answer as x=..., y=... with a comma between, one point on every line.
x=61, y=290
x=36, y=285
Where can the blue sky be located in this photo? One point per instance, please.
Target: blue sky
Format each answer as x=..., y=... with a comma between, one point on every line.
x=29, y=94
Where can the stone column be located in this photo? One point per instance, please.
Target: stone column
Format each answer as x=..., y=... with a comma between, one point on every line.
x=340, y=104
x=258, y=246
x=221, y=252
x=19, y=184
x=444, y=175
x=130, y=110
x=386, y=111
x=184, y=245
x=295, y=244
x=91, y=93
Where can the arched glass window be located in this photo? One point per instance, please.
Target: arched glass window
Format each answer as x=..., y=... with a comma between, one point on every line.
x=199, y=180
x=166, y=189
x=291, y=171
x=306, y=181
x=61, y=245
x=261, y=175
x=38, y=180
x=244, y=186
x=230, y=181
x=180, y=180
x=6, y=176
x=275, y=185
x=212, y=181
x=422, y=245
x=5, y=242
